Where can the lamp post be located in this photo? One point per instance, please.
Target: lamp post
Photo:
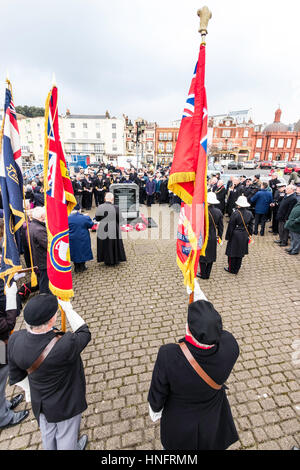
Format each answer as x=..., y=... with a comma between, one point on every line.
x=140, y=129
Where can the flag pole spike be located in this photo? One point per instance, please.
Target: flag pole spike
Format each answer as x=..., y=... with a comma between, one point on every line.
x=205, y=15
x=53, y=80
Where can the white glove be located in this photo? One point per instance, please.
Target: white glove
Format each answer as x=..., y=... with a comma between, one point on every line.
x=11, y=296
x=24, y=384
x=198, y=294
x=18, y=276
x=74, y=319
x=155, y=416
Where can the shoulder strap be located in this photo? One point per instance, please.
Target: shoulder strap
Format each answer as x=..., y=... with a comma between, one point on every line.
x=198, y=368
x=43, y=355
x=244, y=224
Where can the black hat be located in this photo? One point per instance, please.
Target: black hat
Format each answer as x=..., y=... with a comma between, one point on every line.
x=40, y=309
x=204, y=322
x=257, y=177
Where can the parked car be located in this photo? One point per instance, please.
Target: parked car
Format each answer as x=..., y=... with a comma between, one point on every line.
x=281, y=164
x=215, y=168
x=291, y=166
x=266, y=165
x=235, y=165
x=250, y=164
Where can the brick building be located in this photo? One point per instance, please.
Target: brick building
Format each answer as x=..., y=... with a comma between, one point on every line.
x=277, y=141
x=165, y=143
x=230, y=139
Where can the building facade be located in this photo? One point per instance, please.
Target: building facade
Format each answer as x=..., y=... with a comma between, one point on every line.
x=277, y=141
x=230, y=139
x=166, y=139
x=140, y=141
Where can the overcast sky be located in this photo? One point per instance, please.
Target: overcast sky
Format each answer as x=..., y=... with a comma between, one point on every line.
x=138, y=57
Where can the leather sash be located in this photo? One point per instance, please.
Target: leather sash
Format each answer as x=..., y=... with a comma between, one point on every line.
x=43, y=355
x=198, y=368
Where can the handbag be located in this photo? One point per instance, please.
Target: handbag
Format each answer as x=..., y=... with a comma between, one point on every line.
x=44, y=354
x=198, y=368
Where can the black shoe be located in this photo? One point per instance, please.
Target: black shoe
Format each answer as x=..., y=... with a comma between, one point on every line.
x=227, y=270
x=17, y=419
x=288, y=250
x=293, y=253
x=82, y=443
x=16, y=401
x=283, y=244
x=277, y=241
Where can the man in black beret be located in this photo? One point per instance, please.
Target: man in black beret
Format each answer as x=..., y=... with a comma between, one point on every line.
x=51, y=361
x=193, y=407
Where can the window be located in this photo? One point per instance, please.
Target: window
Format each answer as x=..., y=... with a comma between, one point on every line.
x=257, y=156
x=72, y=125
x=114, y=126
x=297, y=156
x=169, y=147
x=115, y=149
x=85, y=135
x=170, y=136
x=149, y=136
x=289, y=143
x=270, y=156
x=165, y=136
x=97, y=125
x=272, y=143
x=259, y=143
x=38, y=125
x=246, y=133
x=73, y=135
x=226, y=133
x=85, y=147
x=114, y=135
x=287, y=155
x=149, y=146
x=73, y=147
x=85, y=125
x=245, y=143
x=161, y=147
x=97, y=135
x=98, y=148
x=298, y=144
x=161, y=137
x=280, y=143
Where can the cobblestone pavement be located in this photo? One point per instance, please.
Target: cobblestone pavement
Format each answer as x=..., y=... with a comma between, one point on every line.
x=134, y=308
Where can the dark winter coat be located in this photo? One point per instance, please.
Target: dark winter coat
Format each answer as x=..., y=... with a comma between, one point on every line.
x=195, y=416
x=293, y=223
x=215, y=219
x=286, y=206
x=233, y=196
x=39, y=243
x=58, y=385
x=79, y=236
x=262, y=200
x=237, y=236
x=110, y=247
x=221, y=196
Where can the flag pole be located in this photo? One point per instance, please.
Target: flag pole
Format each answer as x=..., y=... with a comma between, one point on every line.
x=205, y=15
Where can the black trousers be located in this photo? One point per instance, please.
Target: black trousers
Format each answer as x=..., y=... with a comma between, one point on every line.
x=79, y=267
x=260, y=219
x=150, y=199
x=274, y=220
x=283, y=232
x=234, y=264
x=43, y=281
x=205, y=270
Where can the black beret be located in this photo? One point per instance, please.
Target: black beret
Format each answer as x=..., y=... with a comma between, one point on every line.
x=40, y=309
x=205, y=323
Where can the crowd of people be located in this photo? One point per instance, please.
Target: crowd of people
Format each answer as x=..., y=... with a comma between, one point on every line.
x=57, y=388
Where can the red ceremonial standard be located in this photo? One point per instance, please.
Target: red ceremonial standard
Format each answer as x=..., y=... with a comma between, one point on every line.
x=188, y=176
x=59, y=202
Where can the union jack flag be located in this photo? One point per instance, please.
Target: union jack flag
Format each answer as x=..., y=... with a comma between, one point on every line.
x=59, y=202
x=11, y=181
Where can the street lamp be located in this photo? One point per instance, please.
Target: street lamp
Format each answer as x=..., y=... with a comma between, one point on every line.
x=140, y=129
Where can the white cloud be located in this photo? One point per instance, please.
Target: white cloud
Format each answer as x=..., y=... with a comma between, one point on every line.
x=137, y=58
